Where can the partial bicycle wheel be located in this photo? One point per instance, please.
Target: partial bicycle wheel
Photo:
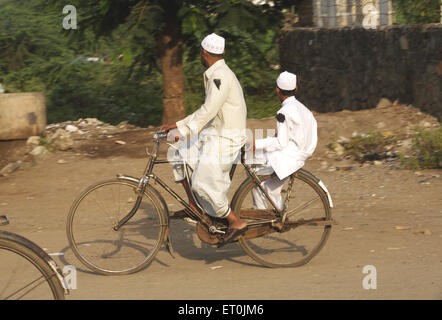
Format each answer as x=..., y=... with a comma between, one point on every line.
x=98, y=244
x=304, y=231
x=26, y=271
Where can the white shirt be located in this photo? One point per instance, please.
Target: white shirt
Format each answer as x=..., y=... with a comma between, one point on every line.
x=224, y=110
x=296, y=139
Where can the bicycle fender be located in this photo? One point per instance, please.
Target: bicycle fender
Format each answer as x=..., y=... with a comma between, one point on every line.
x=153, y=190
x=168, y=241
x=38, y=250
x=322, y=185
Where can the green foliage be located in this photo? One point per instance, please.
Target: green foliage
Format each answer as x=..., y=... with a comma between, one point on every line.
x=417, y=11
x=38, y=55
x=30, y=45
x=102, y=91
x=426, y=150
x=251, y=34
x=49, y=146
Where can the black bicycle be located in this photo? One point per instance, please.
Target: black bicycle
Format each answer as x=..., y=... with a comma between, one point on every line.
x=117, y=226
x=27, y=271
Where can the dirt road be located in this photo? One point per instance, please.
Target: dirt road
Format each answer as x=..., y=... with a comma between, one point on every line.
x=369, y=203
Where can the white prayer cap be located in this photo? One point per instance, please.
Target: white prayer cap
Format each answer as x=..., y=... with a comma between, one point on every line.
x=286, y=81
x=213, y=43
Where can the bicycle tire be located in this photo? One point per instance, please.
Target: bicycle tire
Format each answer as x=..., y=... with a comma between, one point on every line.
x=256, y=248
x=78, y=243
x=28, y=250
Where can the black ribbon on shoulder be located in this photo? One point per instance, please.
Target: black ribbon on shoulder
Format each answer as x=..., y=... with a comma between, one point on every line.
x=217, y=82
x=280, y=117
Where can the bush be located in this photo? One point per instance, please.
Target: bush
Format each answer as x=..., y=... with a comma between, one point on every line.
x=95, y=90
x=426, y=150
x=373, y=145
x=417, y=11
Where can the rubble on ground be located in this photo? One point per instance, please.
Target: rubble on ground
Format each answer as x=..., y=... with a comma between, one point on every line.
x=88, y=127
x=10, y=168
x=64, y=136
x=390, y=126
x=39, y=153
x=382, y=145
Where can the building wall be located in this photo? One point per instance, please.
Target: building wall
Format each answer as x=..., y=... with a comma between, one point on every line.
x=352, y=68
x=22, y=115
x=341, y=13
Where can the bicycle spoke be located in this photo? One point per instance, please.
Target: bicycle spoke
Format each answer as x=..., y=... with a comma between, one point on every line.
x=125, y=249
x=26, y=286
x=105, y=213
x=119, y=201
x=117, y=243
x=25, y=270
x=302, y=207
x=278, y=241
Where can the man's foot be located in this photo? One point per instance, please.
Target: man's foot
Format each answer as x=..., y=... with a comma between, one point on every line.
x=231, y=235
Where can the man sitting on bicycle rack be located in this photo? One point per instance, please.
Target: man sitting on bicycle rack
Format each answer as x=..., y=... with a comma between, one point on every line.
x=215, y=134
x=287, y=152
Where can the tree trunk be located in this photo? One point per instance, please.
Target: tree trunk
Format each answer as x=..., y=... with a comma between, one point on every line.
x=170, y=46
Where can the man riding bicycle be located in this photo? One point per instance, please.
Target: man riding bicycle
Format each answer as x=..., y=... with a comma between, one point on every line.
x=215, y=134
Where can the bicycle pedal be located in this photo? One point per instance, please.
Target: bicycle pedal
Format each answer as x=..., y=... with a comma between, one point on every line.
x=190, y=221
x=4, y=220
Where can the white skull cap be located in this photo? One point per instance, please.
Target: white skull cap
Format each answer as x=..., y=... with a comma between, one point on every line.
x=213, y=43
x=286, y=81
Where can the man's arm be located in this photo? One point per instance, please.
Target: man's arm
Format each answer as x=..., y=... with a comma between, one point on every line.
x=217, y=92
x=168, y=127
x=279, y=142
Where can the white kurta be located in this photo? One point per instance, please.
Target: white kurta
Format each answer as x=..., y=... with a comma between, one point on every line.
x=287, y=152
x=224, y=110
x=295, y=142
x=215, y=134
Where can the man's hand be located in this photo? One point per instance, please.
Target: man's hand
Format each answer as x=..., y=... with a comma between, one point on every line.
x=168, y=127
x=250, y=146
x=174, y=135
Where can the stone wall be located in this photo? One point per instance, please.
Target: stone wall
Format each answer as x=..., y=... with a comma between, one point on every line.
x=352, y=68
x=22, y=115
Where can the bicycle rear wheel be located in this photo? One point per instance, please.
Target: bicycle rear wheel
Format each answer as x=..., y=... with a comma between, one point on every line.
x=298, y=242
x=26, y=271
x=95, y=213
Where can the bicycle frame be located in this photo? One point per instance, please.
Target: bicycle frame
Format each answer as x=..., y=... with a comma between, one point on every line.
x=193, y=214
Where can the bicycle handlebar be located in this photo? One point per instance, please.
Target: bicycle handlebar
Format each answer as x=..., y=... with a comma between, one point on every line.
x=160, y=135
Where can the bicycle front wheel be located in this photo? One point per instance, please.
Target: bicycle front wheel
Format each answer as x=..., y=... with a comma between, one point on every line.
x=304, y=231
x=92, y=232
x=26, y=272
